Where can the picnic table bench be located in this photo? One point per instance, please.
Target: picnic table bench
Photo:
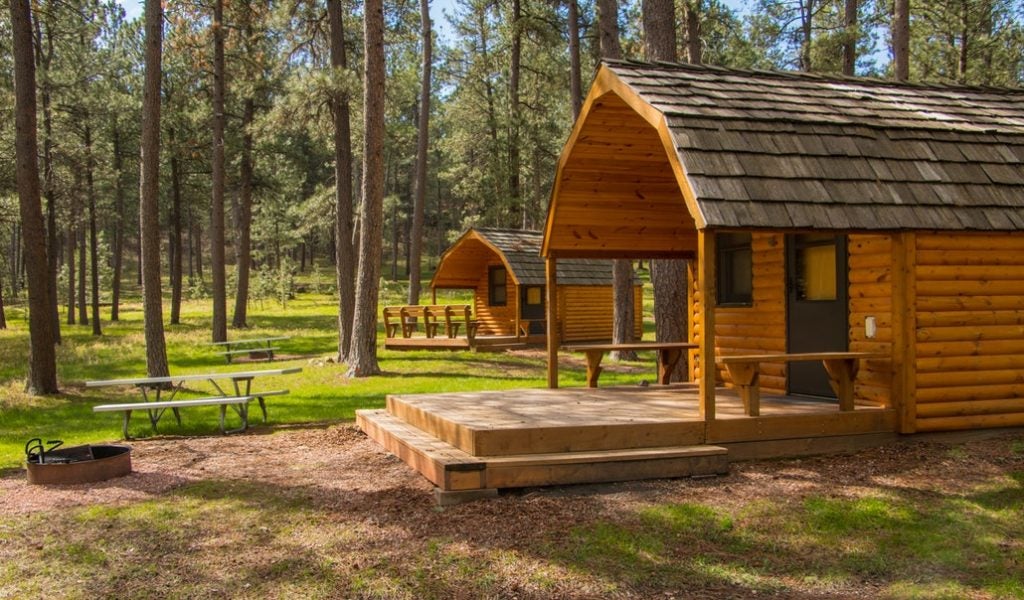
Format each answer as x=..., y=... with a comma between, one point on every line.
x=841, y=367
x=256, y=348
x=669, y=354
x=155, y=403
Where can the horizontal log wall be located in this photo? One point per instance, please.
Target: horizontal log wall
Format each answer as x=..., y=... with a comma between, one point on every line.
x=586, y=312
x=496, y=320
x=870, y=291
x=756, y=329
x=970, y=331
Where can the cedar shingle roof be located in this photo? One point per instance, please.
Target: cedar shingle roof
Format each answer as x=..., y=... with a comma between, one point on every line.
x=783, y=150
x=522, y=251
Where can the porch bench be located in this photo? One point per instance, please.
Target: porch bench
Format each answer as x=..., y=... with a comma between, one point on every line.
x=841, y=367
x=155, y=410
x=458, y=315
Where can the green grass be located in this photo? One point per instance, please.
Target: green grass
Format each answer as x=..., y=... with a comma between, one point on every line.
x=318, y=394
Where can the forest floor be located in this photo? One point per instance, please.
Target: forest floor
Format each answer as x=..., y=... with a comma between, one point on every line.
x=325, y=512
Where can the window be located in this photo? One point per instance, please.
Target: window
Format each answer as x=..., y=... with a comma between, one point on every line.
x=735, y=270
x=816, y=267
x=497, y=288
x=534, y=296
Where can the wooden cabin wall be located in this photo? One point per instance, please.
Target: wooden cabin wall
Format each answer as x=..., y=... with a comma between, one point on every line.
x=756, y=329
x=870, y=294
x=495, y=320
x=586, y=312
x=970, y=331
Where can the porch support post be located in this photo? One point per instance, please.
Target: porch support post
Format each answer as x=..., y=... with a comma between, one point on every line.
x=904, y=330
x=552, y=322
x=706, y=300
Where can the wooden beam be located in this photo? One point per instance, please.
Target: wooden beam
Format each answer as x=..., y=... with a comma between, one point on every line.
x=706, y=288
x=552, y=318
x=904, y=330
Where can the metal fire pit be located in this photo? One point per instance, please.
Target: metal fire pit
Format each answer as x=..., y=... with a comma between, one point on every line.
x=77, y=464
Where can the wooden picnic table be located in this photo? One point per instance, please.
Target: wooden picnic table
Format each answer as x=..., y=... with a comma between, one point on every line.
x=841, y=367
x=669, y=354
x=256, y=348
x=155, y=402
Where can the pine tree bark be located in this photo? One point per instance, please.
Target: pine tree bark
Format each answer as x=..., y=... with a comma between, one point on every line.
x=514, y=160
x=149, y=194
x=175, y=245
x=44, y=58
x=344, y=249
x=3, y=317
x=668, y=276
x=363, y=359
x=118, y=249
x=94, y=260
x=71, y=247
x=608, y=26
x=850, y=45
x=42, y=362
x=806, y=23
x=218, y=176
x=420, y=191
x=901, y=39
x=83, y=306
x=693, y=46
x=243, y=253
x=575, y=77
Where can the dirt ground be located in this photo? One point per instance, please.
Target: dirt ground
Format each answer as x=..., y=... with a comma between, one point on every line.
x=340, y=471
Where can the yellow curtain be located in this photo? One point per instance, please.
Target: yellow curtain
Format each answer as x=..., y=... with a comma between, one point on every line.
x=819, y=272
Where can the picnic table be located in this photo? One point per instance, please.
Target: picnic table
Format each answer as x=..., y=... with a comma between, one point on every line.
x=669, y=354
x=158, y=395
x=256, y=348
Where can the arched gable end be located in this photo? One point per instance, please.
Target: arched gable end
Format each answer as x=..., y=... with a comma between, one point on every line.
x=462, y=265
x=620, y=191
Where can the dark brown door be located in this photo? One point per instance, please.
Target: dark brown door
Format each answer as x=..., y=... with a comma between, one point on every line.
x=531, y=302
x=816, y=307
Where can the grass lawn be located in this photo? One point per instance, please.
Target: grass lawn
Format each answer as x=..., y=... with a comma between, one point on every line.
x=318, y=394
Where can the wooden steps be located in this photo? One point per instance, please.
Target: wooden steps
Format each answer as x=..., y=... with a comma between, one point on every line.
x=452, y=469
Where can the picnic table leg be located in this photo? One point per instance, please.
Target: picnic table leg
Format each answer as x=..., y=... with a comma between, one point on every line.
x=593, y=366
x=747, y=378
x=223, y=409
x=668, y=358
x=124, y=424
x=841, y=373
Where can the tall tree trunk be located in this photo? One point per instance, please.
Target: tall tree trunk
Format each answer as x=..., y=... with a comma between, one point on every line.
x=83, y=306
x=175, y=222
x=94, y=259
x=243, y=254
x=420, y=188
x=608, y=24
x=659, y=20
x=575, y=78
x=691, y=12
x=149, y=194
x=3, y=318
x=199, y=249
x=71, y=247
x=806, y=22
x=622, y=269
x=901, y=39
x=219, y=288
x=514, y=186
x=42, y=362
x=668, y=276
x=44, y=58
x=363, y=358
x=850, y=45
x=344, y=252
x=965, y=42
x=115, y=286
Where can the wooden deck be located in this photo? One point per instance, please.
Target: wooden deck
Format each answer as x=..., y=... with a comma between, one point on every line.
x=480, y=343
x=517, y=438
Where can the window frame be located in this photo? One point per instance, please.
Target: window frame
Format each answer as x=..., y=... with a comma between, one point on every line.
x=728, y=246
x=491, y=287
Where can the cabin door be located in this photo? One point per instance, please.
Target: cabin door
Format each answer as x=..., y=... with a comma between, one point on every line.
x=531, y=302
x=816, y=307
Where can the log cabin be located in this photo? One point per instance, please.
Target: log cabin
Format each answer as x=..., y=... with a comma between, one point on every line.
x=504, y=269
x=818, y=214
x=855, y=251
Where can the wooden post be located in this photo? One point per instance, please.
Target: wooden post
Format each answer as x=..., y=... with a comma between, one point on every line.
x=433, y=296
x=706, y=290
x=904, y=330
x=552, y=325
